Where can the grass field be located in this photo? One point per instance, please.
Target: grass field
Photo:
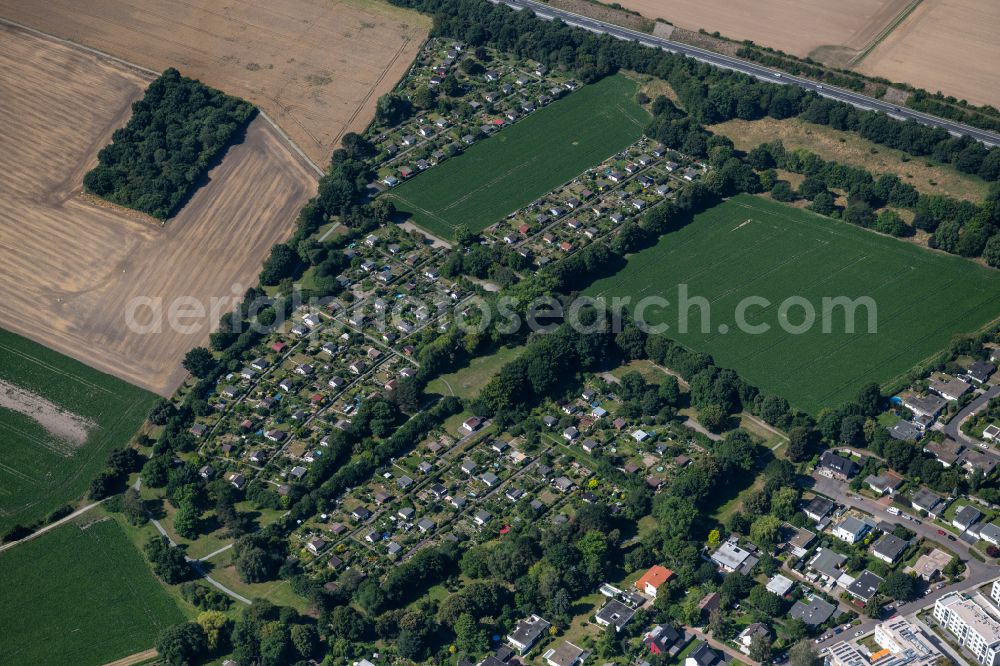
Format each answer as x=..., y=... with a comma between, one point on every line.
x=751, y=246
x=468, y=381
x=79, y=596
x=511, y=169
x=40, y=472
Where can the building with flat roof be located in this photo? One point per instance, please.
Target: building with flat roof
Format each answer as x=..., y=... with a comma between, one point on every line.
x=970, y=625
x=730, y=557
x=907, y=644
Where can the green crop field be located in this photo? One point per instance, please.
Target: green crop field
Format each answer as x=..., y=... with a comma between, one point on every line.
x=39, y=471
x=514, y=167
x=79, y=596
x=749, y=246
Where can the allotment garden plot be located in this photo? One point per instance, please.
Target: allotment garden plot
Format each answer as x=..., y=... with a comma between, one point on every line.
x=520, y=163
x=749, y=246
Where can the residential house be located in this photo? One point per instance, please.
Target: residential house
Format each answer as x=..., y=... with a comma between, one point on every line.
x=926, y=500
x=747, y=636
x=812, y=610
x=827, y=563
x=614, y=614
x=837, y=467
x=526, y=633
x=780, y=585
x=851, y=529
x=926, y=405
x=980, y=371
x=730, y=557
x=565, y=654
x=930, y=565
x=663, y=639
x=703, y=655
x=653, y=579
x=889, y=548
x=950, y=388
x=886, y=483
x=818, y=509
x=966, y=517
x=865, y=586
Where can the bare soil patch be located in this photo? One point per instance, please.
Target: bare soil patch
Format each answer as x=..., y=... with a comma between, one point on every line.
x=797, y=28
x=848, y=148
x=68, y=268
x=317, y=67
x=58, y=422
x=950, y=46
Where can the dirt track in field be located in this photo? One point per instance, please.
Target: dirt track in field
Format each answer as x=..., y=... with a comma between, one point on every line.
x=798, y=27
x=951, y=46
x=69, y=268
x=317, y=67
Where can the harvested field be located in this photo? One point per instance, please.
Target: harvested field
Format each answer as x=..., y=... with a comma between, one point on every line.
x=945, y=45
x=316, y=67
x=69, y=268
x=849, y=148
x=848, y=25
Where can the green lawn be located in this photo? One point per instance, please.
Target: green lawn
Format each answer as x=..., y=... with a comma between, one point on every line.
x=468, y=381
x=79, y=596
x=513, y=168
x=40, y=473
x=749, y=246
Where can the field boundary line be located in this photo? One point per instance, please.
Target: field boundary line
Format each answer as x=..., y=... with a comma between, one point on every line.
x=51, y=526
x=884, y=33
x=146, y=70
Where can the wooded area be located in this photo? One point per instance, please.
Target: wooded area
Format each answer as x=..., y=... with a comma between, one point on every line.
x=177, y=132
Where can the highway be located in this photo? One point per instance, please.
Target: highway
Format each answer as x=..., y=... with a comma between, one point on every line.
x=545, y=11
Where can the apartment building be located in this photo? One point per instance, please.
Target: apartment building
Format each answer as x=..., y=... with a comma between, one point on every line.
x=971, y=626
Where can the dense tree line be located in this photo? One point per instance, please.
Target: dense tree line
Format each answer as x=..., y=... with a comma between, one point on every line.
x=176, y=133
x=959, y=227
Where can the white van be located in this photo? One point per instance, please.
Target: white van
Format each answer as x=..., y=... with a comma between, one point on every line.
x=893, y=510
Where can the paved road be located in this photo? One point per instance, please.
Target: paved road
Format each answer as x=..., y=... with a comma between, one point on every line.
x=954, y=427
x=977, y=572
x=545, y=11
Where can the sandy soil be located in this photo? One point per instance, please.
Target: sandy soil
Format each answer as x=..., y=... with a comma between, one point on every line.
x=61, y=424
x=947, y=45
x=69, y=268
x=316, y=67
x=798, y=27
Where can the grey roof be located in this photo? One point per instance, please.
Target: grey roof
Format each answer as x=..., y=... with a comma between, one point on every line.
x=828, y=562
x=616, y=613
x=854, y=525
x=990, y=532
x=529, y=630
x=865, y=586
x=703, y=655
x=890, y=546
x=967, y=515
x=904, y=430
x=820, y=506
x=813, y=611
x=839, y=464
x=924, y=498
